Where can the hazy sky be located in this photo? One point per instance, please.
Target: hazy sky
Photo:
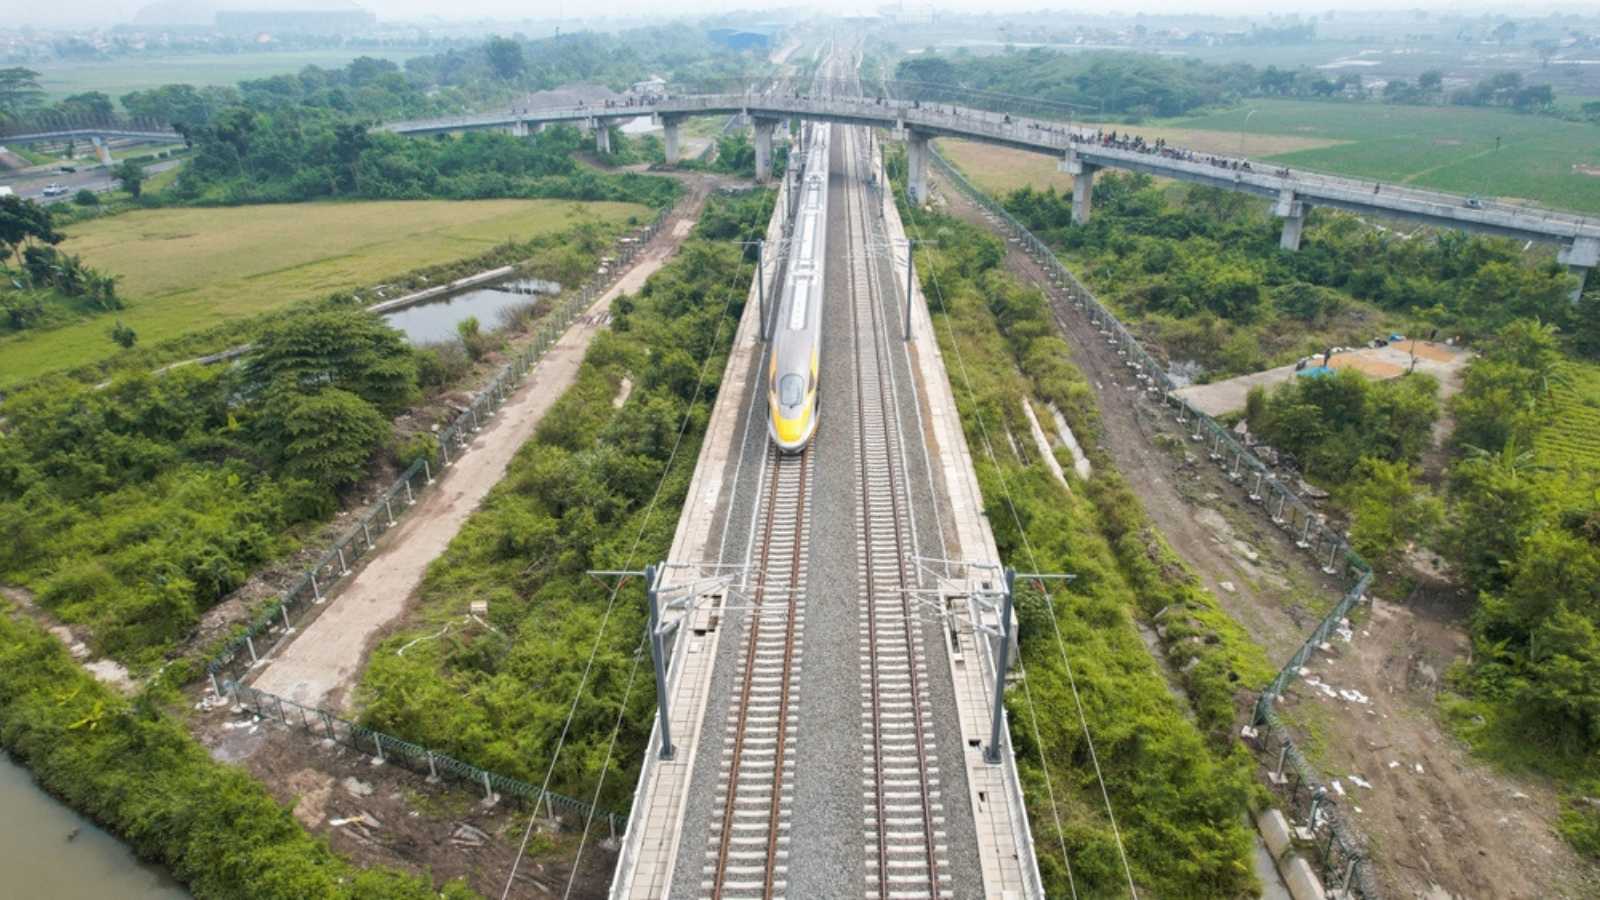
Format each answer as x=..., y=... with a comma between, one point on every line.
x=89, y=12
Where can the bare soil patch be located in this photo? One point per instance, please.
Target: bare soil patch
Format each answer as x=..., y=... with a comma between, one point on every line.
x=1457, y=828
x=386, y=815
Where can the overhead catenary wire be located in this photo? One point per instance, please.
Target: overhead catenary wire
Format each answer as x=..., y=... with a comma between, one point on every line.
x=644, y=523
x=1005, y=490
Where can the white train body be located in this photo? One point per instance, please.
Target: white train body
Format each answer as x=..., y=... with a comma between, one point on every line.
x=797, y=327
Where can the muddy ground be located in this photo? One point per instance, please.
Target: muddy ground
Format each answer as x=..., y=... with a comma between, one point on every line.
x=1438, y=823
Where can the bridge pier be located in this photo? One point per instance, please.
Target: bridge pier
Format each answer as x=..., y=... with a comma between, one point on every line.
x=1293, y=213
x=917, y=167
x=602, y=136
x=1579, y=257
x=669, y=137
x=1082, y=185
x=102, y=152
x=764, y=129
x=519, y=128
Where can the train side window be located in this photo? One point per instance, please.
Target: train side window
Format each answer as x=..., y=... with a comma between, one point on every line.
x=791, y=390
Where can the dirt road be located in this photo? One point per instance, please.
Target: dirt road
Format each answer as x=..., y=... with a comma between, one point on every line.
x=1439, y=822
x=321, y=662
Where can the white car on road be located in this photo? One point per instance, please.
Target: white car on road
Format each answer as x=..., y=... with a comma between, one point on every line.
x=54, y=189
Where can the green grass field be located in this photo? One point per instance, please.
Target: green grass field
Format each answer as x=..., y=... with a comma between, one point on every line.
x=184, y=270
x=142, y=72
x=1540, y=159
x=1573, y=435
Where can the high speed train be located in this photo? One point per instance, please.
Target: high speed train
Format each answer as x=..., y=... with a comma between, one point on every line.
x=797, y=329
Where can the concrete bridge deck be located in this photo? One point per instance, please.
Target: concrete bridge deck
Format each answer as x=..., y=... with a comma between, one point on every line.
x=1081, y=154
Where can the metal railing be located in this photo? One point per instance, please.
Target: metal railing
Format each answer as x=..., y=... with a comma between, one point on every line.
x=321, y=724
x=1343, y=861
x=1046, y=133
x=331, y=569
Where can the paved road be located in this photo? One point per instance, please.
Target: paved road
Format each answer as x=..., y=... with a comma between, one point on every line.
x=30, y=184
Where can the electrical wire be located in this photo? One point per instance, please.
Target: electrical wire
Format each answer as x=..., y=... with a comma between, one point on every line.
x=655, y=497
x=1005, y=489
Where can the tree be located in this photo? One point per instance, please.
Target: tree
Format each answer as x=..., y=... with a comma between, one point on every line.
x=325, y=437
x=23, y=222
x=86, y=197
x=349, y=142
x=347, y=348
x=131, y=174
x=1390, y=508
x=505, y=57
x=123, y=335
x=93, y=105
x=19, y=92
x=1431, y=80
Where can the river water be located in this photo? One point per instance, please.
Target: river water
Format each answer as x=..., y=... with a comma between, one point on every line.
x=37, y=860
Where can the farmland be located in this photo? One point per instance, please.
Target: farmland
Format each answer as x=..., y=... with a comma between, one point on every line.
x=1470, y=151
x=1572, y=436
x=184, y=270
x=201, y=69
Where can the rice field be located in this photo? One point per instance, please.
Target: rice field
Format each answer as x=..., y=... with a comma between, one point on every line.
x=185, y=270
x=1573, y=435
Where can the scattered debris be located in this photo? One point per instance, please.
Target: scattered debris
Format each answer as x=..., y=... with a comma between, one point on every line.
x=356, y=787
x=1358, y=781
x=1227, y=586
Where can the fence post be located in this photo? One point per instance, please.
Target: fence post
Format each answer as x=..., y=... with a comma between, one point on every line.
x=344, y=569
x=283, y=609
x=377, y=738
x=488, y=792
x=389, y=509
x=250, y=642
x=316, y=591
x=366, y=534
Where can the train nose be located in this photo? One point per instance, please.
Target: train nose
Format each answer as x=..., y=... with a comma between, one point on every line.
x=790, y=431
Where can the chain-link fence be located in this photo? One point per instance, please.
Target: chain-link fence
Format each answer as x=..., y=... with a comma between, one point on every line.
x=1343, y=861
x=323, y=725
x=276, y=619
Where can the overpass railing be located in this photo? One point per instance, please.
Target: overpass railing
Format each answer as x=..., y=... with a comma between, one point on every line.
x=1051, y=135
x=1344, y=861
x=53, y=122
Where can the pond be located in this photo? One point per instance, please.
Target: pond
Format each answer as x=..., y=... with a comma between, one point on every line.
x=433, y=321
x=40, y=862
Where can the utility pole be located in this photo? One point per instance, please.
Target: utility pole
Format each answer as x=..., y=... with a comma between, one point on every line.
x=657, y=654
x=992, y=755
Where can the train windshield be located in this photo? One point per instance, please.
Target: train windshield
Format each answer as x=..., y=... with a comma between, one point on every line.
x=791, y=390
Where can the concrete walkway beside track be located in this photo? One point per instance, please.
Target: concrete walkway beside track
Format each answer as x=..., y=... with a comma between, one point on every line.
x=322, y=661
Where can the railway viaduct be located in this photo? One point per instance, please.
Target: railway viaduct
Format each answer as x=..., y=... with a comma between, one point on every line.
x=1293, y=192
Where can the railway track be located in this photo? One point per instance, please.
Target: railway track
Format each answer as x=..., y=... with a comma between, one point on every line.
x=903, y=814
x=749, y=839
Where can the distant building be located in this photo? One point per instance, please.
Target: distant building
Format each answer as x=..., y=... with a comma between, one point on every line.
x=650, y=87
x=756, y=38
x=291, y=21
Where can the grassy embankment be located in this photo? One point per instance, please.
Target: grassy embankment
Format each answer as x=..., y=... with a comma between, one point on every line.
x=132, y=767
x=187, y=270
x=578, y=496
x=1178, y=781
